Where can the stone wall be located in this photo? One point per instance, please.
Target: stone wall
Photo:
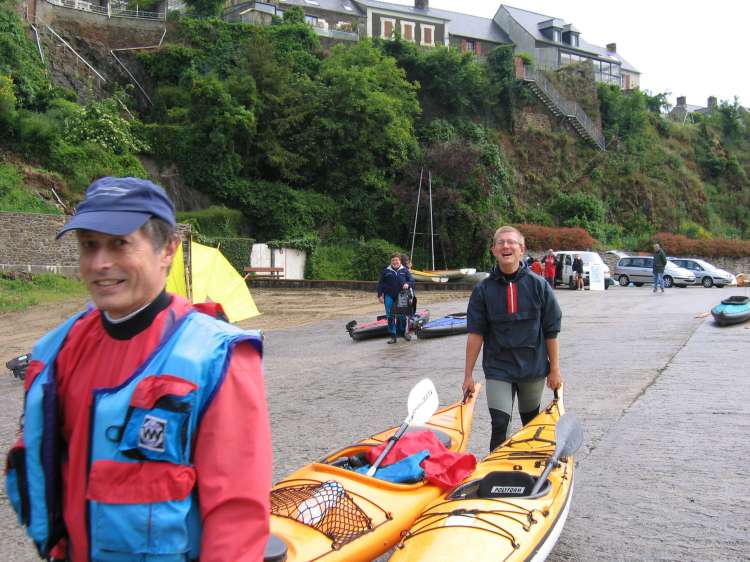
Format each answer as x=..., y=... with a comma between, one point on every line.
x=27, y=243
x=530, y=119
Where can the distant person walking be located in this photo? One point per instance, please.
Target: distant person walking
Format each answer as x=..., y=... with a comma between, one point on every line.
x=660, y=262
x=549, y=267
x=578, y=272
x=393, y=280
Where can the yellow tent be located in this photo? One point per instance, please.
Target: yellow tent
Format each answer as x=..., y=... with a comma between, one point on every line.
x=213, y=279
x=176, y=281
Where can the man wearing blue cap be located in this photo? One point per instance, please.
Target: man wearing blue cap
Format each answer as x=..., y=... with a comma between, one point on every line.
x=146, y=432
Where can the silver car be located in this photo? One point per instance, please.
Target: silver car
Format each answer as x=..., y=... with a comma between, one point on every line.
x=706, y=274
x=639, y=270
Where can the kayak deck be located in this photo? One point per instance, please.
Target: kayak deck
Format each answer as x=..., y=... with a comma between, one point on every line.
x=368, y=518
x=483, y=520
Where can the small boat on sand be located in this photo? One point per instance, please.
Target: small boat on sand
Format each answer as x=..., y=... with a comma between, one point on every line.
x=448, y=325
x=449, y=274
x=379, y=327
x=426, y=277
x=732, y=310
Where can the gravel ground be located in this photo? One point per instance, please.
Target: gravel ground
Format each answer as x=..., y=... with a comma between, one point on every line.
x=659, y=389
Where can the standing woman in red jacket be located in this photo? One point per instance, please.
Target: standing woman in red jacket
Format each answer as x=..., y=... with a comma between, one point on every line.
x=549, y=267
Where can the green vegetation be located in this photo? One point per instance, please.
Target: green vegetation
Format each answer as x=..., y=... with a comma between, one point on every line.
x=15, y=197
x=42, y=123
x=327, y=148
x=16, y=295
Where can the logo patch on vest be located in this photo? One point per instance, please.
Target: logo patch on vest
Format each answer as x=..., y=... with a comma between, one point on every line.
x=152, y=434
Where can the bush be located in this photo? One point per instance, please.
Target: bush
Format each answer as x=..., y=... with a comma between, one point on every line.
x=16, y=197
x=331, y=261
x=37, y=133
x=371, y=257
x=544, y=237
x=679, y=245
x=86, y=162
x=215, y=221
x=236, y=250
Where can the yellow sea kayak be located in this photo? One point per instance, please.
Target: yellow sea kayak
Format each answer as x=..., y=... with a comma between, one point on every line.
x=491, y=515
x=356, y=517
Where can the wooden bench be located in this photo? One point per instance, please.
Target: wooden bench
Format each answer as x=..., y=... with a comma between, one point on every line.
x=273, y=272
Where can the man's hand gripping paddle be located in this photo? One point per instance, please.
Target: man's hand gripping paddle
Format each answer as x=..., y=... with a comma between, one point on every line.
x=422, y=403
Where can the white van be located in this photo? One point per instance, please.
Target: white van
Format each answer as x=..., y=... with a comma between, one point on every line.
x=564, y=273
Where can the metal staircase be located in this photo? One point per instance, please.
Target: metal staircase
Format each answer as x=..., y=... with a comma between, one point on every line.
x=561, y=107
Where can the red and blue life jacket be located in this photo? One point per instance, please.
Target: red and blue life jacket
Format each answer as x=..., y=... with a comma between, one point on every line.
x=141, y=494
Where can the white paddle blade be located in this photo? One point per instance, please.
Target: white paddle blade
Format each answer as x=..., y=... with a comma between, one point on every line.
x=569, y=436
x=422, y=402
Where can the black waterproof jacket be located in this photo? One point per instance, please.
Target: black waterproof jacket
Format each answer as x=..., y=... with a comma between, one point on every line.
x=514, y=314
x=392, y=281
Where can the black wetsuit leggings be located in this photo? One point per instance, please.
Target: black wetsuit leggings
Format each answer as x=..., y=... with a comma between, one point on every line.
x=500, y=398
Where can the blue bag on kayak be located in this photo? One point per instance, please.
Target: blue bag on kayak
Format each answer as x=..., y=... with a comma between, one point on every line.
x=405, y=471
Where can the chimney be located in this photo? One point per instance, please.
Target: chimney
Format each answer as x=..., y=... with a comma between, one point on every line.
x=612, y=47
x=422, y=4
x=712, y=103
x=681, y=101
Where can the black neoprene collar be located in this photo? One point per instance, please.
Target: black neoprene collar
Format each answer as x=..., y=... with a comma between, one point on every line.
x=135, y=325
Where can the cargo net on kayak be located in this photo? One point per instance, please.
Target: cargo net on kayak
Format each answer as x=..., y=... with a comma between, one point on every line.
x=326, y=507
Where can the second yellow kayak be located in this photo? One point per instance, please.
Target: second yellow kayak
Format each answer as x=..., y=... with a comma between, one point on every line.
x=493, y=514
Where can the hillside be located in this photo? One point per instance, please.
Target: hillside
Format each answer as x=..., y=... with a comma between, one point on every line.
x=328, y=146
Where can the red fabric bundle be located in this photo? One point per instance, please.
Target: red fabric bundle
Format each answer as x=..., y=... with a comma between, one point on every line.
x=442, y=468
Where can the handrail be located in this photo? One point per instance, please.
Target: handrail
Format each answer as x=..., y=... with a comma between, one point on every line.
x=38, y=43
x=569, y=108
x=125, y=68
x=84, y=61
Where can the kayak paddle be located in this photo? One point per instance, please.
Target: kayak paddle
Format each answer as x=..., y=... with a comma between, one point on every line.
x=422, y=403
x=568, y=438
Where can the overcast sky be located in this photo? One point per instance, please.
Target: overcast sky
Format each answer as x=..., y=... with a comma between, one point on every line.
x=685, y=47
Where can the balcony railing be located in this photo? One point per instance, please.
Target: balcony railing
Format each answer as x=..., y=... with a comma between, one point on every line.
x=110, y=12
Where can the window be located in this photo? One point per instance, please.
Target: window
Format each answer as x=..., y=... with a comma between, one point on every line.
x=428, y=35
x=469, y=46
x=407, y=31
x=556, y=35
x=312, y=20
x=387, y=28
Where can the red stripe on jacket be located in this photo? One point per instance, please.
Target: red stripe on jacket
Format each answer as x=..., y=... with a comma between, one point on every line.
x=512, y=297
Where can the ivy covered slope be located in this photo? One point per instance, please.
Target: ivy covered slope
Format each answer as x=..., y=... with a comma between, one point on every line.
x=331, y=145
x=46, y=138
x=327, y=147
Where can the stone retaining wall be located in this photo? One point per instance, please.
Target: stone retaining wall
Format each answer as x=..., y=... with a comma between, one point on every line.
x=27, y=243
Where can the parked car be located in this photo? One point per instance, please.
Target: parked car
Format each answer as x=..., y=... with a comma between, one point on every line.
x=564, y=273
x=639, y=270
x=706, y=274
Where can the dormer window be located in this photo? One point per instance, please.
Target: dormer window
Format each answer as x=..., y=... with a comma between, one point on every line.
x=552, y=29
x=570, y=36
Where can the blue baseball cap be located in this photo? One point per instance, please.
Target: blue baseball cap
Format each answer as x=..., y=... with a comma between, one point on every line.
x=119, y=206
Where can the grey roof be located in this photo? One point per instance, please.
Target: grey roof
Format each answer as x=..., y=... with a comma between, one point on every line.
x=464, y=25
x=530, y=22
x=338, y=6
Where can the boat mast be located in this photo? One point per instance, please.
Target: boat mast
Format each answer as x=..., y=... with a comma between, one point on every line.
x=432, y=234
x=416, y=214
